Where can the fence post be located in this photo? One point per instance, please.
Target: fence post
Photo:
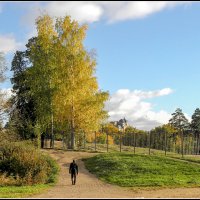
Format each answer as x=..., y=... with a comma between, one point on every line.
x=165, y=143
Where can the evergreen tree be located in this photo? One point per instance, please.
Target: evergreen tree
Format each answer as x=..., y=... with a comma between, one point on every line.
x=22, y=116
x=180, y=122
x=195, y=126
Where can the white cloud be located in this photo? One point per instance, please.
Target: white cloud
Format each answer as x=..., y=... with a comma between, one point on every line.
x=111, y=11
x=93, y=11
x=81, y=11
x=139, y=9
x=9, y=44
x=151, y=94
x=138, y=112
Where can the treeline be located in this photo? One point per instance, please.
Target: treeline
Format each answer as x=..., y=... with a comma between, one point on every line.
x=179, y=135
x=54, y=85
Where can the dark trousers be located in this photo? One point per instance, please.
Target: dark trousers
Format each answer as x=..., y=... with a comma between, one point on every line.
x=73, y=178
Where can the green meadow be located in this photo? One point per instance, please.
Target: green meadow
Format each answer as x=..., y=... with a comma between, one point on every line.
x=131, y=170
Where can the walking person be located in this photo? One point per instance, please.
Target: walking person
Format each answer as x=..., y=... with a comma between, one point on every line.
x=73, y=170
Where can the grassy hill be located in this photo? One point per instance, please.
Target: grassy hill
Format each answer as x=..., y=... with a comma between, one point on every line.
x=134, y=170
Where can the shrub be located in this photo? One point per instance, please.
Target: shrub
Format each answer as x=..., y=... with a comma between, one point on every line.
x=23, y=162
x=6, y=181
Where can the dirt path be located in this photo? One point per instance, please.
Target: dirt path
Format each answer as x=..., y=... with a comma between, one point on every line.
x=88, y=186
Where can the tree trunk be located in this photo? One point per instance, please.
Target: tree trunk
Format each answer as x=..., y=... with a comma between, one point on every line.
x=45, y=142
x=95, y=141
x=175, y=145
x=107, y=140
x=63, y=140
x=182, y=143
x=120, y=142
x=165, y=143
x=194, y=147
x=72, y=127
x=197, y=143
x=134, y=141
x=84, y=140
x=149, y=142
x=46, y=138
x=52, y=134
x=72, y=135
x=42, y=140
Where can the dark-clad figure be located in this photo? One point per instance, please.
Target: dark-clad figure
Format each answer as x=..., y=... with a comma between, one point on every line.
x=73, y=170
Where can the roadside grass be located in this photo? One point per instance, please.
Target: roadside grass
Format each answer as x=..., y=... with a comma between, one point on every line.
x=23, y=191
x=133, y=170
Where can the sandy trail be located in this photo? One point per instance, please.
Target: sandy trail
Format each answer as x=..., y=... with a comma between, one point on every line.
x=88, y=186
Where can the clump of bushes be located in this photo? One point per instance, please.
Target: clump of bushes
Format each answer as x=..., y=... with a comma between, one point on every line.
x=22, y=164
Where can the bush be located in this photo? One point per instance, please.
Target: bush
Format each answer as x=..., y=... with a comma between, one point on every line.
x=101, y=138
x=8, y=135
x=22, y=162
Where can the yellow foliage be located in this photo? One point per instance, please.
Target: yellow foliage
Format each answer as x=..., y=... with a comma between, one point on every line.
x=110, y=140
x=62, y=79
x=100, y=138
x=90, y=137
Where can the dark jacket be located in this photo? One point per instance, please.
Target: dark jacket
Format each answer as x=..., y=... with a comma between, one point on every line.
x=73, y=169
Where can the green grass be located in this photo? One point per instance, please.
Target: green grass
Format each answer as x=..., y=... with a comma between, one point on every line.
x=129, y=170
x=22, y=191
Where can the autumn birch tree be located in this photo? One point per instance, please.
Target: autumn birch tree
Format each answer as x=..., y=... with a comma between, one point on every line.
x=77, y=97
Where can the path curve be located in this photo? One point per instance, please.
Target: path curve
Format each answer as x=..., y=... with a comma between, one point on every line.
x=88, y=186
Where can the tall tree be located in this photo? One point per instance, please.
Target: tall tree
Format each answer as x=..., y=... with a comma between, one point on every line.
x=22, y=116
x=180, y=122
x=62, y=77
x=42, y=58
x=195, y=126
x=40, y=74
x=77, y=88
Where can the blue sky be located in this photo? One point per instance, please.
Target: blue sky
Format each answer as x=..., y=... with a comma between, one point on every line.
x=147, y=52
